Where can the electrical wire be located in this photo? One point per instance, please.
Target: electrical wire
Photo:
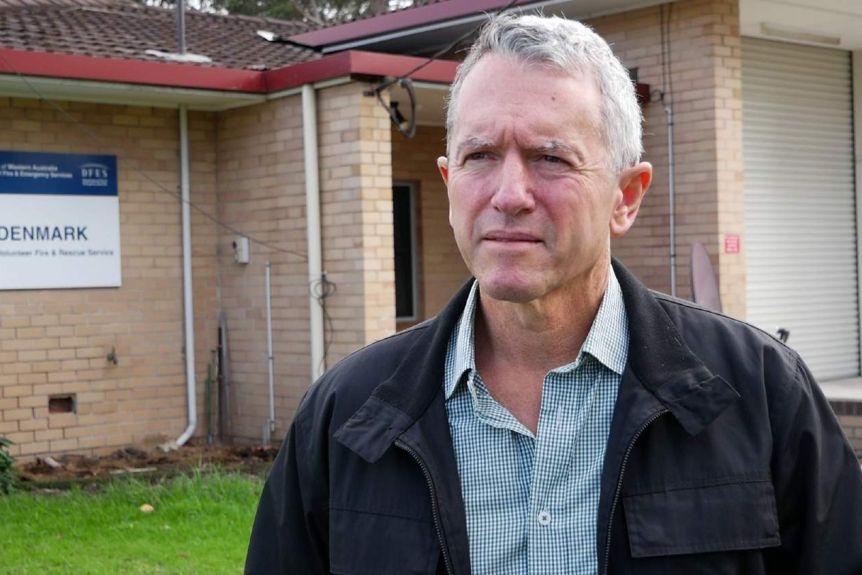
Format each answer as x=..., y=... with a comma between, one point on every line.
x=410, y=131
x=406, y=82
x=437, y=54
x=99, y=140
x=323, y=289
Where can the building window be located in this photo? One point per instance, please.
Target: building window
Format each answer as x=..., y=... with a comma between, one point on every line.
x=404, y=223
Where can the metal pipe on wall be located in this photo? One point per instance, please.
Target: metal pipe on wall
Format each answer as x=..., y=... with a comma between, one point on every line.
x=312, y=216
x=269, y=425
x=188, y=300
x=671, y=188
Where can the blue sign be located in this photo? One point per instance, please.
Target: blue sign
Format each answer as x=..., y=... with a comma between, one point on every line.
x=57, y=174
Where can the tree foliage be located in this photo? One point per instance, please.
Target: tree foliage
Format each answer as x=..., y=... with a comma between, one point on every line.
x=320, y=12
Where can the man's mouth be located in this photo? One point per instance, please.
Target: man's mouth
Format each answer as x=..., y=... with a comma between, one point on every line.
x=513, y=237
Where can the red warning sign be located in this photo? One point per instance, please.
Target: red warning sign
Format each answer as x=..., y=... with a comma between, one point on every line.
x=731, y=243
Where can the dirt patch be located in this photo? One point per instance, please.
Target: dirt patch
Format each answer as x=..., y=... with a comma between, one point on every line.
x=65, y=470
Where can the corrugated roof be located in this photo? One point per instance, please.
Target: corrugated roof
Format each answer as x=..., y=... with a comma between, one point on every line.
x=124, y=29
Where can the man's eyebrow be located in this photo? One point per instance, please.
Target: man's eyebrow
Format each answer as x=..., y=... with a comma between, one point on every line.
x=471, y=143
x=557, y=146
x=552, y=146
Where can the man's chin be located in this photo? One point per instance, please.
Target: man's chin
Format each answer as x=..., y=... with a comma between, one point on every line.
x=509, y=291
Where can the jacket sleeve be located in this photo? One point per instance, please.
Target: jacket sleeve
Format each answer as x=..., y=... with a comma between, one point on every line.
x=288, y=536
x=818, y=485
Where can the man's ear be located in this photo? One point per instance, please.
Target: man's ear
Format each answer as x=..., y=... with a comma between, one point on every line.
x=633, y=183
x=443, y=166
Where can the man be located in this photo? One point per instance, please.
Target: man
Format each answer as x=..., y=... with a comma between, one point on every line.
x=557, y=417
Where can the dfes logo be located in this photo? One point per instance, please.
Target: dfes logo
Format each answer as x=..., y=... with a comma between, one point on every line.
x=94, y=171
x=94, y=175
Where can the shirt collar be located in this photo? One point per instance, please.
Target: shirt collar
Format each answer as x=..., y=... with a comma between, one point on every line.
x=607, y=340
x=465, y=352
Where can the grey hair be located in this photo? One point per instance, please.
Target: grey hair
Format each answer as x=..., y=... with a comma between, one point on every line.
x=571, y=47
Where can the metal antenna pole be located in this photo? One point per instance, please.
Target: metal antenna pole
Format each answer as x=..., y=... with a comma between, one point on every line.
x=181, y=27
x=671, y=188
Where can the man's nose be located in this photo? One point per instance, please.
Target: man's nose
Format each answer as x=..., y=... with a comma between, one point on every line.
x=514, y=187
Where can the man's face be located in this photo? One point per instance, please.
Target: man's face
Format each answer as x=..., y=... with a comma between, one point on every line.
x=532, y=202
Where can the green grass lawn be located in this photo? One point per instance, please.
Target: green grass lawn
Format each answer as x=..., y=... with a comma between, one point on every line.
x=200, y=524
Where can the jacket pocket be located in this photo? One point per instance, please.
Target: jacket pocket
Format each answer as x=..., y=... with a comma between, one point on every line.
x=731, y=516
x=366, y=543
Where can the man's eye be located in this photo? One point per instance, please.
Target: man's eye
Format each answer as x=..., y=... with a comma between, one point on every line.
x=476, y=156
x=552, y=159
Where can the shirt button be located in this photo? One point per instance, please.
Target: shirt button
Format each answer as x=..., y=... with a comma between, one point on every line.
x=544, y=518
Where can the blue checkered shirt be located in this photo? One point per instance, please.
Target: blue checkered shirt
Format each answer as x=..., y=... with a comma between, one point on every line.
x=531, y=500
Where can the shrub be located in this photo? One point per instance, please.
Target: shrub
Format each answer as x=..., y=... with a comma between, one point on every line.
x=7, y=472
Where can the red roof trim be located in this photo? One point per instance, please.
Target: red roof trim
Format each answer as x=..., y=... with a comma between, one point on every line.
x=170, y=75
x=79, y=67
x=399, y=20
x=360, y=63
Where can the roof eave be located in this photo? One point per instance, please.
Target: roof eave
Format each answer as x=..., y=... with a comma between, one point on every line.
x=211, y=88
x=360, y=63
x=166, y=74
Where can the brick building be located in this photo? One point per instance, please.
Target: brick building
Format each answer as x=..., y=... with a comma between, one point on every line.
x=264, y=139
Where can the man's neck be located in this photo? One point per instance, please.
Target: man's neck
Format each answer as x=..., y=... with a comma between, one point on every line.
x=543, y=334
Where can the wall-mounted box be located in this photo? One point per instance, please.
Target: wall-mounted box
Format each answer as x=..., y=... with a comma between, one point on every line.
x=241, y=250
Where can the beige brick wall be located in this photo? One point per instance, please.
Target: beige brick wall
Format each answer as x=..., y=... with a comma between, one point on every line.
x=261, y=183
x=205, y=264
x=441, y=269
x=356, y=215
x=705, y=55
x=55, y=341
x=261, y=192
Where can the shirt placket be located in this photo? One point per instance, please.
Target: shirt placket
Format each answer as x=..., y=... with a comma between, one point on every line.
x=489, y=412
x=545, y=519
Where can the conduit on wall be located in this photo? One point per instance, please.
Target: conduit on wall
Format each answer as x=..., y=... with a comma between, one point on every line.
x=312, y=216
x=269, y=424
x=188, y=301
x=671, y=190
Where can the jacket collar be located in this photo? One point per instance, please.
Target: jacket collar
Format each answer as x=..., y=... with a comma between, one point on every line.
x=404, y=397
x=658, y=357
x=664, y=364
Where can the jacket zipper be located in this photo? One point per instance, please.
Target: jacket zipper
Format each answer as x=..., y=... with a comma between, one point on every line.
x=643, y=427
x=434, y=511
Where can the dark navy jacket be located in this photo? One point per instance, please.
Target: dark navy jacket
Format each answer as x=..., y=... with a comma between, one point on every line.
x=723, y=458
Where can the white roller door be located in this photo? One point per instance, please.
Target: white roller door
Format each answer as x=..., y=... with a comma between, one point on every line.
x=800, y=201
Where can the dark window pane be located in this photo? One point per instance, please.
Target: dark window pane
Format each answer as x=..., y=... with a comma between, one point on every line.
x=402, y=209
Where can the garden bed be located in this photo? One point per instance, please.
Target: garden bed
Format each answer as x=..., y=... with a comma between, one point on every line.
x=65, y=470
